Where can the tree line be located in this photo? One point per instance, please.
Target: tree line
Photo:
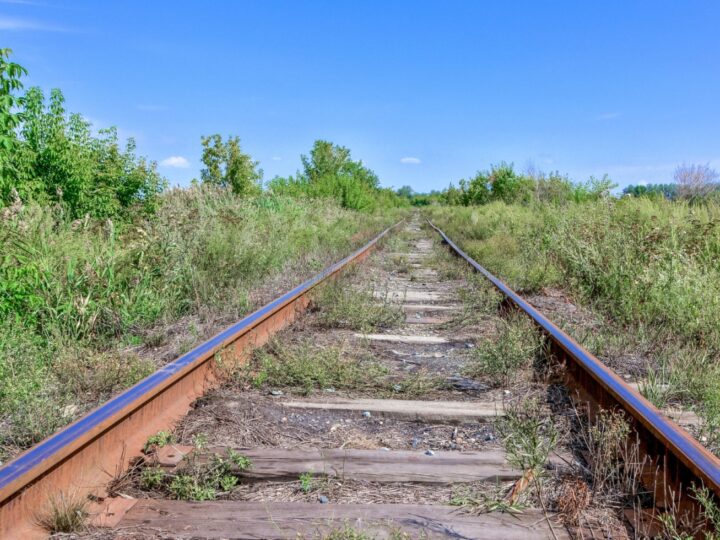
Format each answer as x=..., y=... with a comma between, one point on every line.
x=54, y=158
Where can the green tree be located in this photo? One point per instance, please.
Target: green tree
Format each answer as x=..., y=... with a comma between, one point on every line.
x=10, y=117
x=228, y=166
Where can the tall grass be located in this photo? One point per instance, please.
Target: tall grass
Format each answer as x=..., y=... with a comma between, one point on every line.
x=649, y=265
x=74, y=295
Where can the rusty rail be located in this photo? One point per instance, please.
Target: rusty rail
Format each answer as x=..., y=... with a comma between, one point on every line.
x=83, y=457
x=674, y=454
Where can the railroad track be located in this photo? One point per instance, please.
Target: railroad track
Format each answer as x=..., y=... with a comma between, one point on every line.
x=361, y=416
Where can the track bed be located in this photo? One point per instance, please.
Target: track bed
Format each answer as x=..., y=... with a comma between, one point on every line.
x=398, y=455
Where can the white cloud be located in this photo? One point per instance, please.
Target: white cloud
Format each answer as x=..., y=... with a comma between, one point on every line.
x=176, y=162
x=608, y=116
x=14, y=24
x=276, y=158
x=410, y=160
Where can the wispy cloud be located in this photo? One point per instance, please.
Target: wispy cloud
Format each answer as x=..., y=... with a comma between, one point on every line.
x=608, y=116
x=176, y=162
x=410, y=160
x=14, y=24
x=276, y=158
x=151, y=108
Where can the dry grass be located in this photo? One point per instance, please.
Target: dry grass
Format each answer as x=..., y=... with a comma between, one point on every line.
x=66, y=513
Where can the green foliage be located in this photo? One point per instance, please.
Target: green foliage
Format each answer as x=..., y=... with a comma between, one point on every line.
x=160, y=439
x=668, y=191
x=74, y=294
x=329, y=172
x=152, y=477
x=10, y=118
x=57, y=159
x=528, y=435
x=307, y=367
x=306, y=482
x=502, y=183
x=203, y=481
x=515, y=347
x=227, y=166
x=343, y=306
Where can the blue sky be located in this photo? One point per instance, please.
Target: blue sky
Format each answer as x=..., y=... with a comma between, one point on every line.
x=423, y=92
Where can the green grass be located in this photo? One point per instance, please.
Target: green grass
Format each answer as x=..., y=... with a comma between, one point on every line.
x=341, y=305
x=306, y=366
x=79, y=299
x=648, y=266
x=501, y=359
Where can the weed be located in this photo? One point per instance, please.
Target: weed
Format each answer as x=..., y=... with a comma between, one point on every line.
x=710, y=510
x=306, y=482
x=66, y=514
x=615, y=468
x=515, y=347
x=152, y=477
x=482, y=501
x=160, y=439
x=528, y=435
x=199, y=479
x=307, y=367
x=343, y=306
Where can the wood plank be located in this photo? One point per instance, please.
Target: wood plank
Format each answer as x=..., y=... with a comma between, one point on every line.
x=426, y=411
x=411, y=296
x=431, y=307
x=376, y=465
x=396, y=338
x=252, y=520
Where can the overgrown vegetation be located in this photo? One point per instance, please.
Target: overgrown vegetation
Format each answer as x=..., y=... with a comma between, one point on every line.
x=648, y=265
x=99, y=261
x=65, y=514
x=329, y=172
x=199, y=477
x=307, y=367
x=343, y=305
x=501, y=359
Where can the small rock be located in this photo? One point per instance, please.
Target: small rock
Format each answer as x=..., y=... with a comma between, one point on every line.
x=437, y=355
x=397, y=387
x=283, y=419
x=381, y=422
x=418, y=316
x=334, y=427
x=385, y=449
x=506, y=392
x=322, y=499
x=429, y=453
x=489, y=437
x=469, y=345
x=472, y=440
x=276, y=392
x=415, y=442
x=331, y=390
x=366, y=414
x=69, y=410
x=703, y=439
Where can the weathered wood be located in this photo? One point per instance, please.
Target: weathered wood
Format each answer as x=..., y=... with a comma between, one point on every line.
x=425, y=411
x=376, y=465
x=395, y=338
x=431, y=307
x=412, y=295
x=252, y=520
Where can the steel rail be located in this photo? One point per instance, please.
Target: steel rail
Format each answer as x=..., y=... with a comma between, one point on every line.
x=81, y=458
x=683, y=460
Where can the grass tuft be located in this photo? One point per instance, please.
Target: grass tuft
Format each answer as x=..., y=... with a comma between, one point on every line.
x=65, y=514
